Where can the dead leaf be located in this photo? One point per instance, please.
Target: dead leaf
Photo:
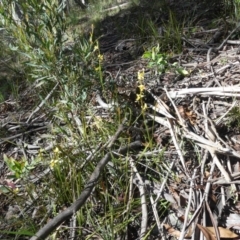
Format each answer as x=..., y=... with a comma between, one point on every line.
x=175, y=233
x=187, y=114
x=172, y=231
x=223, y=232
x=207, y=174
x=175, y=194
x=213, y=197
x=206, y=232
x=209, y=232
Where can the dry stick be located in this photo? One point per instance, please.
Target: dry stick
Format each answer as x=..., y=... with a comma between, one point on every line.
x=117, y=7
x=178, y=149
x=108, y=144
x=222, y=44
x=116, y=135
x=206, y=192
x=175, y=107
x=210, y=134
x=205, y=196
x=8, y=139
x=42, y=103
x=203, y=222
x=204, y=159
x=102, y=103
x=222, y=169
x=164, y=181
x=141, y=187
x=208, y=185
x=214, y=131
x=91, y=155
x=223, y=198
x=188, y=206
x=66, y=214
x=170, y=122
x=63, y=216
x=229, y=165
x=78, y=123
x=160, y=107
x=221, y=180
x=218, y=121
x=199, y=196
x=206, y=152
x=154, y=202
x=206, y=144
x=221, y=94
x=73, y=227
x=155, y=212
x=219, y=165
x=217, y=91
x=130, y=196
x=159, y=120
x=237, y=42
x=213, y=221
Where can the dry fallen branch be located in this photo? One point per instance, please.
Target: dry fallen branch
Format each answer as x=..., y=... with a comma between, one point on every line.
x=230, y=91
x=93, y=180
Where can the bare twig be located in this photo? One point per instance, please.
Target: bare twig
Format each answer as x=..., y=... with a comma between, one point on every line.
x=155, y=212
x=73, y=227
x=116, y=135
x=213, y=221
x=8, y=139
x=188, y=206
x=218, y=121
x=154, y=202
x=177, y=146
x=160, y=106
x=141, y=187
x=119, y=7
x=205, y=196
x=222, y=44
x=222, y=169
x=42, y=103
x=176, y=110
x=102, y=103
x=233, y=91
